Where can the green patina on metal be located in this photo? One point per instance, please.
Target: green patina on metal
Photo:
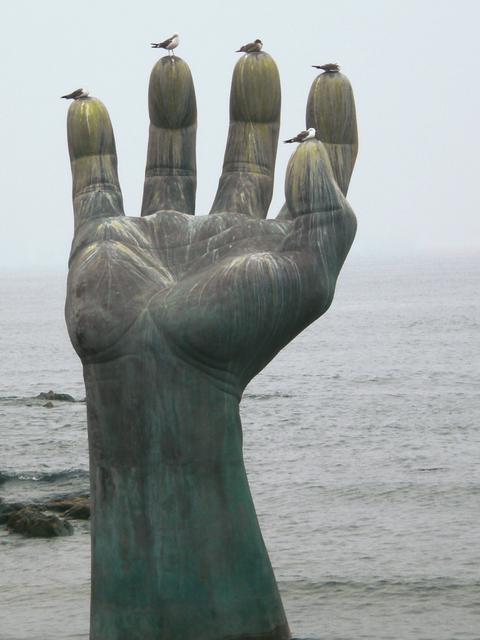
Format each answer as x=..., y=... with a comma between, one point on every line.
x=246, y=184
x=170, y=176
x=331, y=111
x=89, y=129
x=255, y=94
x=172, y=315
x=172, y=103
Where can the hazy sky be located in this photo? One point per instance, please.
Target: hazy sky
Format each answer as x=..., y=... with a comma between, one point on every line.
x=414, y=67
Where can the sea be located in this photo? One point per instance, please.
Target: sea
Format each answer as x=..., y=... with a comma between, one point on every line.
x=361, y=441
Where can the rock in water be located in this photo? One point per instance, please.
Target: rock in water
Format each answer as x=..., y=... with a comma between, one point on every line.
x=7, y=508
x=78, y=512
x=51, y=395
x=34, y=523
x=71, y=506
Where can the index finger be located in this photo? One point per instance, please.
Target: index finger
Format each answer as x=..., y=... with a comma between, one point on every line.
x=96, y=191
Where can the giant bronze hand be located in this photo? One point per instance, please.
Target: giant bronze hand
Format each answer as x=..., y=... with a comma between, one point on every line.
x=172, y=315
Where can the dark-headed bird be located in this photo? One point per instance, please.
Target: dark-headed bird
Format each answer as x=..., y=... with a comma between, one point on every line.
x=303, y=136
x=251, y=47
x=330, y=67
x=78, y=94
x=169, y=44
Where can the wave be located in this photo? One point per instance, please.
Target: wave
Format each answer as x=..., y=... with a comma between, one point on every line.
x=266, y=396
x=43, y=476
x=393, y=587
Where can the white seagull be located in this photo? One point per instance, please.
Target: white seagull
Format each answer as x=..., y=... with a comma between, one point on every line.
x=169, y=44
x=303, y=136
x=78, y=94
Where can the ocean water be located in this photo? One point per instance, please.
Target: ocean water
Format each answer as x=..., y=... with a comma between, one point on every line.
x=362, y=446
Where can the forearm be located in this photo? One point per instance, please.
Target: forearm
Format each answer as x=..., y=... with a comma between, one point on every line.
x=175, y=536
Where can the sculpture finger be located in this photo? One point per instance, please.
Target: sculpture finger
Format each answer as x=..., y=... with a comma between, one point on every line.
x=170, y=175
x=324, y=220
x=93, y=159
x=246, y=184
x=331, y=111
x=310, y=184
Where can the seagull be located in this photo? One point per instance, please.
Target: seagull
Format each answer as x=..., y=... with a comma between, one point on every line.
x=330, y=67
x=251, y=47
x=78, y=94
x=303, y=136
x=169, y=44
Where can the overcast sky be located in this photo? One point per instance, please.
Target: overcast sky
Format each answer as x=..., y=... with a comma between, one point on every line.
x=414, y=67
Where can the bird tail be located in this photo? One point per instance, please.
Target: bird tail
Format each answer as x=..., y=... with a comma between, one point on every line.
x=155, y=45
x=66, y=97
x=291, y=140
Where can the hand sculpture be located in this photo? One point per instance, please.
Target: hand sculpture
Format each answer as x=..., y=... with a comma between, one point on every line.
x=172, y=315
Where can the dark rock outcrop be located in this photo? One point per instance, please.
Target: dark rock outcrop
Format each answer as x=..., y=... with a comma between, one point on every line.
x=36, y=520
x=34, y=523
x=76, y=507
x=7, y=509
x=51, y=395
x=78, y=512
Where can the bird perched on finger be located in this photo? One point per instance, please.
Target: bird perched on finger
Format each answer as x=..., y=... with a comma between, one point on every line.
x=251, y=47
x=330, y=67
x=303, y=136
x=169, y=44
x=78, y=94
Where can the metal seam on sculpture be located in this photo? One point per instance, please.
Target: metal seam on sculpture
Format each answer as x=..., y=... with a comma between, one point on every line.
x=98, y=187
x=168, y=172
x=255, y=122
x=102, y=155
x=246, y=167
x=160, y=130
